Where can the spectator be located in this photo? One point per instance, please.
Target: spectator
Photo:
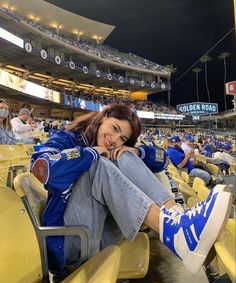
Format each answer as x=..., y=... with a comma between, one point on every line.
x=21, y=127
x=226, y=154
x=182, y=161
x=96, y=177
x=6, y=133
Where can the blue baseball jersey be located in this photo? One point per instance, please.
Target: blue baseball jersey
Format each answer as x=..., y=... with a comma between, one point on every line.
x=177, y=155
x=58, y=164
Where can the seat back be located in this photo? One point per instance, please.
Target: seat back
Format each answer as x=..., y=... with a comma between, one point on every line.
x=18, y=158
x=5, y=171
x=197, y=182
x=213, y=169
x=187, y=191
x=26, y=184
x=225, y=247
x=19, y=252
x=185, y=177
x=202, y=192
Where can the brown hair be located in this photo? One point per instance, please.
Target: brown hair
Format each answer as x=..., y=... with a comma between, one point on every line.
x=90, y=123
x=6, y=122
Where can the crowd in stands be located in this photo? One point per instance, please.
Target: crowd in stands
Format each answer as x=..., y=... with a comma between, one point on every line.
x=103, y=51
x=140, y=105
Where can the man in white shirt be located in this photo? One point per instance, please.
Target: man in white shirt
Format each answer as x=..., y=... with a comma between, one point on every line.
x=21, y=128
x=218, y=153
x=226, y=156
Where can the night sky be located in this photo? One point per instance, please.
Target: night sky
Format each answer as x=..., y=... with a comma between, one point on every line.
x=177, y=32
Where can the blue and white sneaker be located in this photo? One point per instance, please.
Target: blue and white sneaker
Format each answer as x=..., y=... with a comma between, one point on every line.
x=191, y=234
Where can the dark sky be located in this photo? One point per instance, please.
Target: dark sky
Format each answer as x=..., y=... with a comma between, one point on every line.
x=176, y=32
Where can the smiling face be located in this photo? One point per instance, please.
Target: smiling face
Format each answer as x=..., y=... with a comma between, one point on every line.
x=113, y=132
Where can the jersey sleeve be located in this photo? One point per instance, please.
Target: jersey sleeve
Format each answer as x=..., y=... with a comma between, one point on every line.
x=57, y=171
x=154, y=157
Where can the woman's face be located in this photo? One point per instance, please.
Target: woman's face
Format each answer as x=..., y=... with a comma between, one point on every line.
x=113, y=132
x=4, y=110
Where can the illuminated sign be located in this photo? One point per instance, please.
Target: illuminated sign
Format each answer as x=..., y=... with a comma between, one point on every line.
x=230, y=88
x=27, y=87
x=11, y=38
x=198, y=108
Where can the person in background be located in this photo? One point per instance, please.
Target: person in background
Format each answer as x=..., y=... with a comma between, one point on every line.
x=22, y=128
x=207, y=150
x=226, y=154
x=95, y=176
x=183, y=161
x=218, y=153
x=6, y=133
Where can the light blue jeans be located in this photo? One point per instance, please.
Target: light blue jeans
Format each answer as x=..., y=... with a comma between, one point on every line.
x=111, y=199
x=195, y=172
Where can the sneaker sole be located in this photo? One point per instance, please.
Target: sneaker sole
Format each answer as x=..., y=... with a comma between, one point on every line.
x=197, y=257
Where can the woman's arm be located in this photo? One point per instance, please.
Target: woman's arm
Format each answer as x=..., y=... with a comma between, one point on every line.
x=58, y=171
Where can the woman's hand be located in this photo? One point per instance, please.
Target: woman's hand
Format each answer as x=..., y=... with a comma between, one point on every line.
x=117, y=152
x=102, y=151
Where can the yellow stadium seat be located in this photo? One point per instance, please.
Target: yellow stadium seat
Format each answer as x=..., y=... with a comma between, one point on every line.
x=134, y=254
x=225, y=248
x=232, y=169
x=197, y=182
x=20, y=259
x=187, y=191
x=18, y=157
x=185, y=177
x=202, y=192
x=213, y=169
x=5, y=172
x=29, y=148
x=134, y=257
x=191, y=201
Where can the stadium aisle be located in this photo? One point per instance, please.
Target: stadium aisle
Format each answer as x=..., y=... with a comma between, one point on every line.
x=166, y=268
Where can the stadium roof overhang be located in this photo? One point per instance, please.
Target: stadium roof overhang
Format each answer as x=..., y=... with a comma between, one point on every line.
x=58, y=18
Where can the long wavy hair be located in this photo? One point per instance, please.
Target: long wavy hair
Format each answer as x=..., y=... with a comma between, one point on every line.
x=90, y=123
x=6, y=122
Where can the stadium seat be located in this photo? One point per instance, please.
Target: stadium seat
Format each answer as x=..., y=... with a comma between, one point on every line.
x=5, y=172
x=29, y=148
x=34, y=197
x=185, y=177
x=213, y=169
x=17, y=156
x=134, y=254
x=202, y=192
x=20, y=259
x=197, y=182
x=187, y=191
x=232, y=169
x=225, y=248
x=134, y=257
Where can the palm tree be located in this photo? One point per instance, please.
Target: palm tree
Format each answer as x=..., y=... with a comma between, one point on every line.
x=223, y=56
x=171, y=69
x=197, y=70
x=205, y=59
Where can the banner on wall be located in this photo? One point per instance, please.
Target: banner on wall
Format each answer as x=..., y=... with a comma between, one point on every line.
x=27, y=87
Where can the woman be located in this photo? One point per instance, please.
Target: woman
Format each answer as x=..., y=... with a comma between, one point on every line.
x=6, y=134
x=96, y=177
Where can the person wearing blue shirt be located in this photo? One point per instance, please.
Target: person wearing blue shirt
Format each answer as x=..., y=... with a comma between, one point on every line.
x=96, y=177
x=182, y=161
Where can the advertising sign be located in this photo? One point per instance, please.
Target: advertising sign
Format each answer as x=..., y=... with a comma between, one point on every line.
x=198, y=108
x=230, y=88
x=27, y=87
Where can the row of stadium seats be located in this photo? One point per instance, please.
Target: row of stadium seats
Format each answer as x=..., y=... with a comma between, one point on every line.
x=224, y=259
